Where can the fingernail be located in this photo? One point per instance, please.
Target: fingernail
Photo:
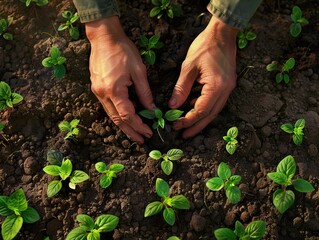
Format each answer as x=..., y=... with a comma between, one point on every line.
x=172, y=102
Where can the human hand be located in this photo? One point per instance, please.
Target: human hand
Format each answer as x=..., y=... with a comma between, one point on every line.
x=211, y=60
x=115, y=64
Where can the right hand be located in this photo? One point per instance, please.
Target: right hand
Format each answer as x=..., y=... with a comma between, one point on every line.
x=115, y=64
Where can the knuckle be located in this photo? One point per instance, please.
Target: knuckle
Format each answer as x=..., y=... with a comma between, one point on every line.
x=125, y=117
x=201, y=113
x=102, y=90
x=117, y=120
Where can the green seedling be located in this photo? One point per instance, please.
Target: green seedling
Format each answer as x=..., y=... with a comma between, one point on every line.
x=70, y=20
x=297, y=21
x=56, y=61
x=227, y=181
x=70, y=128
x=283, y=70
x=165, y=7
x=167, y=164
x=296, y=130
x=90, y=229
x=108, y=172
x=4, y=24
x=254, y=230
x=244, y=36
x=231, y=142
x=39, y=3
x=173, y=238
x=284, y=198
x=62, y=167
x=169, y=204
x=7, y=97
x=148, y=46
x=16, y=211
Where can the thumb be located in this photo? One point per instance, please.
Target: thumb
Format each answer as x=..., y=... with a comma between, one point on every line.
x=183, y=86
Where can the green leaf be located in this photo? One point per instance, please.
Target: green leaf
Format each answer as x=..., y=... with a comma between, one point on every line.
x=52, y=170
x=74, y=123
x=302, y=185
x=11, y=227
x=85, y=221
x=283, y=199
x=8, y=36
x=67, y=14
x=167, y=167
x=169, y=216
x=251, y=36
x=173, y=114
x=143, y=41
x=105, y=181
x=223, y=171
x=286, y=78
x=295, y=29
x=161, y=187
x=54, y=157
x=173, y=238
x=62, y=27
x=287, y=166
x=17, y=201
x=100, y=167
x=158, y=113
x=155, y=154
x=54, y=187
x=47, y=62
x=30, y=215
x=150, y=57
x=60, y=61
x=215, y=184
x=239, y=229
x=74, y=33
x=242, y=43
x=224, y=234
x=233, y=194
x=289, y=64
x=180, y=202
x=303, y=21
x=106, y=222
x=232, y=132
x=231, y=148
x=279, y=77
x=156, y=2
x=54, y=52
x=300, y=123
x=64, y=126
x=153, y=208
x=77, y=234
x=149, y=114
x=161, y=122
x=72, y=185
x=174, y=154
x=278, y=177
x=170, y=13
x=271, y=67
x=153, y=41
x=5, y=91
x=235, y=179
x=59, y=71
x=287, y=127
x=155, y=11
x=94, y=235
x=296, y=11
x=256, y=229
x=79, y=176
x=65, y=169
x=4, y=210
x=116, y=167
x=297, y=139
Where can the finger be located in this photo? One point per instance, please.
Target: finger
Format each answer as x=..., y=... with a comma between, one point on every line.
x=184, y=85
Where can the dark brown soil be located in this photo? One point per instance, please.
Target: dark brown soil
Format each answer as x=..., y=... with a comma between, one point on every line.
x=258, y=106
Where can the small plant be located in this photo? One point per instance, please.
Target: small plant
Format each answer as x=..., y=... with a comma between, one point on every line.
x=227, y=181
x=39, y=3
x=284, y=198
x=296, y=130
x=244, y=36
x=70, y=20
x=254, y=230
x=7, y=97
x=16, y=211
x=70, y=128
x=4, y=24
x=108, y=172
x=296, y=21
x=148, y=46
x=165, y=6
x=56, y=61
x=60, y=167
x=169, y=204
x=173, y=238
x=171, y=155
x=283, y=70
x=90, y=229
x=231, y=142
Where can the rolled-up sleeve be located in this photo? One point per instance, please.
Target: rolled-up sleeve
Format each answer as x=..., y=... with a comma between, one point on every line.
x=236, y=13
x=91, y=10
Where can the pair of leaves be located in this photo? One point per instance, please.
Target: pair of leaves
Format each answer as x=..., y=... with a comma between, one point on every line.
x=170, y=115
x=231, y=142
x=39, y=3
x=254, y=230
x=108, y=173
x=297, y=21
x=7, y=97
x=296, y=130
x=90, y=229
x=70, y=19
x=148, y=45
x=56, y=61
x=4, y=24
x=165, y=6
x=283, y=74
x=167, y=164
x=70, y=128
x=244, y=36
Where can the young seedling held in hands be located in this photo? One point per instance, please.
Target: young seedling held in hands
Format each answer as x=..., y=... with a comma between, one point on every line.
x=148, y=46
x=165, y=7
x=56, y=61
x=227, y=181
x=297, y=21
x=61, y=167
x=70, y=19
x=7, y=97
x=169, y=204
x=231, y=142
x=284, y=198
x=283, y=70
x=39, y=3
x=296, y=130
x=108, y=173
x=4, y=24
x=90, y=229
x=70, y=128
x=167, y=164
x=16, y=211
x=254, y=230
x=244, y=36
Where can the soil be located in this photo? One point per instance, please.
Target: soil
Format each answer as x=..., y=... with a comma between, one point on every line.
x=258, y=106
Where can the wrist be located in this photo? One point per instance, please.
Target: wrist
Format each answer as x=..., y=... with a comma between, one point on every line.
x=221, y=31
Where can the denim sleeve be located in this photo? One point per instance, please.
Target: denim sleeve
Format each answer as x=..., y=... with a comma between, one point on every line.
x=236, y=13
x=90, y=10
